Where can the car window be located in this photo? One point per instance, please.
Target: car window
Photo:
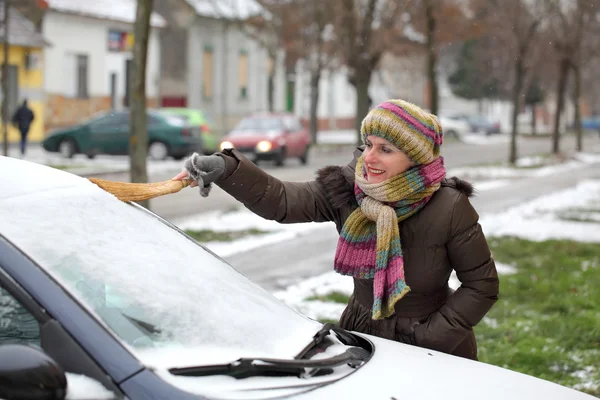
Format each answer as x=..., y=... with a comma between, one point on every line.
x=110, y=121
x=17, y=325
x=258, y=124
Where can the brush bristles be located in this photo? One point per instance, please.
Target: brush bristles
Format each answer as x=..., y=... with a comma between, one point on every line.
x=126, y=191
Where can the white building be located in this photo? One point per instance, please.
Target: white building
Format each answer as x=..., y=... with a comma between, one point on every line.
x=211, y=62
x=88, y=64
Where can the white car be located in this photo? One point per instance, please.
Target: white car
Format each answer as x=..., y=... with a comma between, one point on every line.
x=94, y=287
x=453, y=127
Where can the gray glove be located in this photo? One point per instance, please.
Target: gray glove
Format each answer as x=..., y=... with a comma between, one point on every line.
x=205, y=170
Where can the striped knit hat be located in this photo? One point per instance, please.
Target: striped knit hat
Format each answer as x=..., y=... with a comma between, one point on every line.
x=408, y=127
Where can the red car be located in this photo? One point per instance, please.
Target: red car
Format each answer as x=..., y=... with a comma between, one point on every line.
x=269, y=137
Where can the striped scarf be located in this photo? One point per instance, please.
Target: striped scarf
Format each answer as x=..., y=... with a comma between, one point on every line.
x=369, y=246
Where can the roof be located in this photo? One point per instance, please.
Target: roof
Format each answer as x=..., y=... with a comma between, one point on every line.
x=114, y=10
x=21, y=31
x=227, y=9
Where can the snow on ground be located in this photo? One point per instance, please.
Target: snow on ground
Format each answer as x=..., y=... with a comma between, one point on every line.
x=527, y=167
x=556, y=215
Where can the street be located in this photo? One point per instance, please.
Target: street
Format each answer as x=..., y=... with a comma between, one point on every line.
x=455, y=154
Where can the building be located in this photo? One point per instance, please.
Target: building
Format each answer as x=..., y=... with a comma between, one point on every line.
x=89, y=64
x=25, y=70
x=211, y=62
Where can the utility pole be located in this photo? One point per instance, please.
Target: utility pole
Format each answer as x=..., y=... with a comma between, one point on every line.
x=5, y=117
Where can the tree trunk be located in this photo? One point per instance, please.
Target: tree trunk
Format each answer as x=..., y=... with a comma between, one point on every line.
x=560, y=102
x=138, y=137
x=271, y=81
x=315, y=78
x=577, y=95
x=533, y=120
x=363, y=78
x=516, y=100
x=431, y=58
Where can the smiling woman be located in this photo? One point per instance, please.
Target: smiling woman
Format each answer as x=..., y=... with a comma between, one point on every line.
x=403, y=226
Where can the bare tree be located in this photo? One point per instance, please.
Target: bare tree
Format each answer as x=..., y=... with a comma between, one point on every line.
x=518, y=25
x=319, y=54
x=138, y=137
x=365, y=30
x=569, y=26
x=588, y=48
x=442, y=23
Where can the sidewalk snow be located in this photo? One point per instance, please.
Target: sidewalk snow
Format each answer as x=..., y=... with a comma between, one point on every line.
x=544, y=217
x=578, y=160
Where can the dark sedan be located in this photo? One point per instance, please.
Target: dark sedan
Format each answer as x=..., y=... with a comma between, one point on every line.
x=108, y=133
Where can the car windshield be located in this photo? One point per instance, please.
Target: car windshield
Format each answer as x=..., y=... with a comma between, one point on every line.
x=257, y=124
x=155, y=288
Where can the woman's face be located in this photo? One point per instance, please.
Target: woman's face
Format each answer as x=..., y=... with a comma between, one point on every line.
x=383, y=160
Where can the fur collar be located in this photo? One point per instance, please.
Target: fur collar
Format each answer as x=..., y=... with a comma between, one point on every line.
x=338, y=183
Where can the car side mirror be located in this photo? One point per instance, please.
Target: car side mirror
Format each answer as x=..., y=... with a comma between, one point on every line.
x=26, y=372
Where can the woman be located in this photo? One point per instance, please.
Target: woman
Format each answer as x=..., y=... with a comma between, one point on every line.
x=403, y=228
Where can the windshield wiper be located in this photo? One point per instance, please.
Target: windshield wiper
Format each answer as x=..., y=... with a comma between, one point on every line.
x=247, y=367
x=320, y=337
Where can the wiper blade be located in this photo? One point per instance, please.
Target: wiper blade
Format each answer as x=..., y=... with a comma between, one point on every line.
x=247, y=367
x=321, y=335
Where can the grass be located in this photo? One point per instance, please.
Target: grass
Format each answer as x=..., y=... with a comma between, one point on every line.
x=333, y=297
x=547, y=320
x=206, y=235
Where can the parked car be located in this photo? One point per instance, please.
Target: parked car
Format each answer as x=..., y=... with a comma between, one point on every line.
x=108, y=133
x=479, y=123
x=591, y=123
x=453, y=128
x=200, y=119
x=93, y=286
x=272, y=136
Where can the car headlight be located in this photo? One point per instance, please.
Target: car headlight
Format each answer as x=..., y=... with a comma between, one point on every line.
x=264, y=146
x=226, y=145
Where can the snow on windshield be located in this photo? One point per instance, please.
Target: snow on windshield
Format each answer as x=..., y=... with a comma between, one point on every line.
x=85, y=237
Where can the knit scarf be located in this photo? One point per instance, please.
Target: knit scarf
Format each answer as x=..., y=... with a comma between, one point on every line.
x=369, y=246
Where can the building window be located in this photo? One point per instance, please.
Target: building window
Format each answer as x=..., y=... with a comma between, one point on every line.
x=243, y=74
x=81, y=76
x=207, y=73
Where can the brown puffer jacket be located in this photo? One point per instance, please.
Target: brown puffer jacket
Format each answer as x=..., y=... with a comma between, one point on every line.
x=443, y=236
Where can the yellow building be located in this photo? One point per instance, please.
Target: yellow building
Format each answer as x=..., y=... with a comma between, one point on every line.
x=25, y=72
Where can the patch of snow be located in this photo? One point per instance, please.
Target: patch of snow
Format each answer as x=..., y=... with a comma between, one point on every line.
x=531, y=161
x=81, y=387
x=537, y=220
x=483, y=139
x=490, y=184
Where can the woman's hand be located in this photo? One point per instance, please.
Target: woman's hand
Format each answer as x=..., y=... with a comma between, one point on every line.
x=184, y=175
x=202, y=170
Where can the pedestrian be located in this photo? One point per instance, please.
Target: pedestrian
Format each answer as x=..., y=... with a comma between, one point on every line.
x=22, y=119
x=403, y=228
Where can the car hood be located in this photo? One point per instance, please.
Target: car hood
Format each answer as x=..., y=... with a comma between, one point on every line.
x=395, y=371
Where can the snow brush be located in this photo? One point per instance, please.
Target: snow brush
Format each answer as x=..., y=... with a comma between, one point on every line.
x=126, y=191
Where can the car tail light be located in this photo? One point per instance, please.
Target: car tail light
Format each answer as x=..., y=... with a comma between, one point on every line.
x=186, y=132
x=204, y=129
